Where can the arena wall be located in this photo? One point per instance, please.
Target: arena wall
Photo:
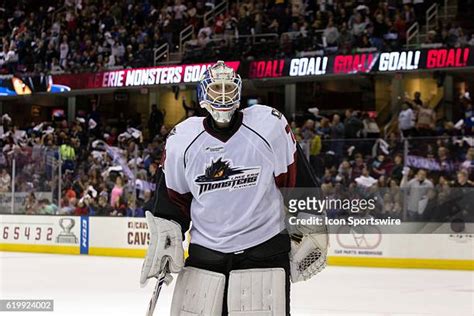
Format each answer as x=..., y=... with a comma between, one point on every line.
x=128, y=237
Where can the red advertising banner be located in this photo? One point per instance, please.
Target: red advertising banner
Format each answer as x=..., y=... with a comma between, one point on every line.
x=174, y=74
x=363, y=63
x=376, y=62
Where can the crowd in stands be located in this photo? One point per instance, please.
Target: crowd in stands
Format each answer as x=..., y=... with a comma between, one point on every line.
x=110, y=170
x=105, y=170
x=448, y=34
x=92, y=35
x=425, y=158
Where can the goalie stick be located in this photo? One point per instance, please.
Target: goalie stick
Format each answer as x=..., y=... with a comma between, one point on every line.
x=157, y=290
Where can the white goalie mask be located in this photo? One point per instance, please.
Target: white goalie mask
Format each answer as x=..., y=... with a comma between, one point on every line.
x=219, y=92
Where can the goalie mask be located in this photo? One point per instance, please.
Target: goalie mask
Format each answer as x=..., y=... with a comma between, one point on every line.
x=219, y=92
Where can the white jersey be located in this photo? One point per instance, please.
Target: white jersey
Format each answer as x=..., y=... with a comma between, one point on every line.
x=229, y=187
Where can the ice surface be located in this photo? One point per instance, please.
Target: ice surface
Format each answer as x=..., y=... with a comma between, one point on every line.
x=89, y=285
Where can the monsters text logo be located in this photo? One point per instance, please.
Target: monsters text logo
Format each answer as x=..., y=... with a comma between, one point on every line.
x=220, y=175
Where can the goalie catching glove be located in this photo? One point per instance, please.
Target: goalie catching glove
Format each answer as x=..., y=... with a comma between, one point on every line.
x=308, y=255
x=165, y=249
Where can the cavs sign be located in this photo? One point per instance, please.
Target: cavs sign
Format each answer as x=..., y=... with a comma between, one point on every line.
x=362, y=63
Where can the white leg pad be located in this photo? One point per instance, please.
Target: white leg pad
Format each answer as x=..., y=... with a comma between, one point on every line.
x=198, y=292
x=257, y=292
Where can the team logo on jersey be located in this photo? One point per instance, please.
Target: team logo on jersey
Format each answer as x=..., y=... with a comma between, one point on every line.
x=220, y=175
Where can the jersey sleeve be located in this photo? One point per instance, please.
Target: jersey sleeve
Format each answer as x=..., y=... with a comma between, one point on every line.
x=173, y=195
x=284, y=151
x=163, y=206
x=173, y=167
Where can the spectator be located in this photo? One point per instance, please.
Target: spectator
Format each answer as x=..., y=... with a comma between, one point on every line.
x=103, y=208
x=406, y=120
x=155, y=121
x=346, y=39
x=179, y=10
x=68, y=206
x=205, y=32
x=468, y=164
x=380, y=29
x=117, y=192
x=219, y=24
x=408, y=14
x=46, y=207
x=359, y=25
x=462, y=180
x=468, y=114
x=371, y=128
x=30, y=204
x=5, y=181
x=417, y=99
x=315, y=146
x=133, y=210
x=308, y=130
x=68, y=155
x=444, y=190
x=120, y=207
x=191, y=110
x=419, y=192
x=397, y=168
x=331, y=34
x=337, y=134
x=11, y=58
x=444, y=161
x=352, y=124
x=425, y=118
x=365, y=181
x=344, y=172
x=81, y=209
x=358, y=166
x=377, y=167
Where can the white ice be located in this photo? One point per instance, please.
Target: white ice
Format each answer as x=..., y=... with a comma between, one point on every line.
x=88, y=285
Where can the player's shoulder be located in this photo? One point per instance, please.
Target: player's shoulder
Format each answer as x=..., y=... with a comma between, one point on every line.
x=265, y=121
x=263, y=117
x=184, y=133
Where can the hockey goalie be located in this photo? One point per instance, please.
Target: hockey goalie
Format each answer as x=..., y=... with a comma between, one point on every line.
x=220, y=178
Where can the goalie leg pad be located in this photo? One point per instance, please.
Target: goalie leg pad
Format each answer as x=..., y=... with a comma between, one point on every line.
x=257, y=292
x=198, y=292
